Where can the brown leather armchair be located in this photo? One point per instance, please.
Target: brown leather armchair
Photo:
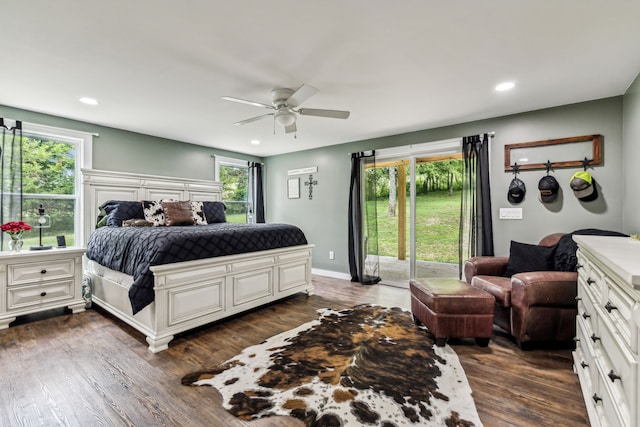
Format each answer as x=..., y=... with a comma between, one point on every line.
x=538, y=306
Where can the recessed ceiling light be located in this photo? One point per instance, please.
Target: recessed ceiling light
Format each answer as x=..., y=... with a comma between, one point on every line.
x=255, y=142
x=505, y=86
x=88, y=101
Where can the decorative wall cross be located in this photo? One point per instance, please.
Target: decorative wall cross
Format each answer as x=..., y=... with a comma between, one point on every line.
x=310, y=183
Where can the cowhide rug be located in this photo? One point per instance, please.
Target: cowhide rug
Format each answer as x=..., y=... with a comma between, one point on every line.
x=368, y=365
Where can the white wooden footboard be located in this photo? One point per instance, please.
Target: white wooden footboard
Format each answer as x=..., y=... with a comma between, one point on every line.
x=194, y=293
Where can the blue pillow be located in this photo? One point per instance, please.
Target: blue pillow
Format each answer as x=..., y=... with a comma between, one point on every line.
x=120, y=210
x=214, y=212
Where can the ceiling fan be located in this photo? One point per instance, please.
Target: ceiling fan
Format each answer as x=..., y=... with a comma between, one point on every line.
x=285, y=104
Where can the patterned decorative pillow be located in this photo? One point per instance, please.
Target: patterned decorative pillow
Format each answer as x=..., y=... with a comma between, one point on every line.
x=214, y=212
x=153, y=211
x=197, y=210
x=120, y=210
x=177, y=213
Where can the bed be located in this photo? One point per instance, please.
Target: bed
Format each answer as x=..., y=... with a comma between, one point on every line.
x=189, y=291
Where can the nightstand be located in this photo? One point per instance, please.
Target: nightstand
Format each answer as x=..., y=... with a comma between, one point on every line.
x=32, y=281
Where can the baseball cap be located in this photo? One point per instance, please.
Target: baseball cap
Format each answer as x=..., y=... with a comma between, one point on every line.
x=583, y=186
x=548, y=187
x=516, y=191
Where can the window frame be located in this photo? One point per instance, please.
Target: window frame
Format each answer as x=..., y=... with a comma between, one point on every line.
x=239, y=163
x=83, y=142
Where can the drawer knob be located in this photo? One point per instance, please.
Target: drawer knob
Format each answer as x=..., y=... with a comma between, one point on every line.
x=613, y=376
x=594, y=337
x=585, y=315
x=596, y=398
x=43, y=294
x=579, y=266
x=43, y=271
x=610, y=307
x=578, y=299
x=576, y=339
x=583, y=364
x=590, y=281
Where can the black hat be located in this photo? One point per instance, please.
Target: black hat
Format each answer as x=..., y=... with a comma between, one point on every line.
x=549, y=188
x=583, y=186
x=516, y=191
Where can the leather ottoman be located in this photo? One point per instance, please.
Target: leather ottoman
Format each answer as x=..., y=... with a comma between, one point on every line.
x=451, y=308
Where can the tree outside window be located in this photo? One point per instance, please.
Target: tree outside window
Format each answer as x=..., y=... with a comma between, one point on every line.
x=49, y=178
x=235, y=184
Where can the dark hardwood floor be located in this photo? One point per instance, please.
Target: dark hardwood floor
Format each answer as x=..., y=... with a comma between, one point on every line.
x=91, y=369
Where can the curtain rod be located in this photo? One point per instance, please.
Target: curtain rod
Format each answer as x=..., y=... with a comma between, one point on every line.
x=54, y=128
x=213, y=156
x=490, y=134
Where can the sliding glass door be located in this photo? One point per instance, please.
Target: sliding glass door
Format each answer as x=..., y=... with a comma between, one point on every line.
x=418, y=190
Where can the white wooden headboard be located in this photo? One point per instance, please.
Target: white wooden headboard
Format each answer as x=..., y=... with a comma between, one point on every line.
x=101, y=186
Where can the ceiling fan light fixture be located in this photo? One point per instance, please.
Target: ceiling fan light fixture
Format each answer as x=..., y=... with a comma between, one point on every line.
x=285, y=118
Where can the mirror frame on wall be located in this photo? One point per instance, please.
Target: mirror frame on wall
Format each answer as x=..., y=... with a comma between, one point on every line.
x=596, y=153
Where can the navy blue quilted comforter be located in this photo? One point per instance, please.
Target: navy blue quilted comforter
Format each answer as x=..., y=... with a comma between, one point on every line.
x=132, y=250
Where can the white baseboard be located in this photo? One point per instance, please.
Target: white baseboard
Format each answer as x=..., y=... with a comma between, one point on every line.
x=330, y=273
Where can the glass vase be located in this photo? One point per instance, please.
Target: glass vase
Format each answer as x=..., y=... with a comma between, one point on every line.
x=15, y=245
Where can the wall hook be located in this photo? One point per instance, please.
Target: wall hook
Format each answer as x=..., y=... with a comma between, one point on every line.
x=516, y=168
x=548, y=166
x=585, y=163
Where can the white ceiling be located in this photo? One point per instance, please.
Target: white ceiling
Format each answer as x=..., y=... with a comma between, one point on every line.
x=159, y=67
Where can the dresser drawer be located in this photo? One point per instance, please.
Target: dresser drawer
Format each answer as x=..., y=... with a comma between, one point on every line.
x=618, y=365
x=614, y=403
x=36, y=272
x=586, y=307
x=595, y=280
x=617, y=307
x=585, y=363
x=20, y=297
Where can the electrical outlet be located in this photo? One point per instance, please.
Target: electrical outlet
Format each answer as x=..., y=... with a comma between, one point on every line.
x=332, y=255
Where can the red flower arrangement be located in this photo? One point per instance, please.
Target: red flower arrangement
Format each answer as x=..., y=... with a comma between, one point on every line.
x=15, y=228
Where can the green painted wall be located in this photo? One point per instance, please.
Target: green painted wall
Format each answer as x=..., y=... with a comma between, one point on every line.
x=123, y=151
x=324, y=219
x=630, y=165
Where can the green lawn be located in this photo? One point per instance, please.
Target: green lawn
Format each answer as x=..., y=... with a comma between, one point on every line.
x=237, y=218
x=438, y=216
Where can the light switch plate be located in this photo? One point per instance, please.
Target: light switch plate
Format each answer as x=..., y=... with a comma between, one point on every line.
x=510, y=213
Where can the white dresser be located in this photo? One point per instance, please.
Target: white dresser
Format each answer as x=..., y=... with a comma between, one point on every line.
x=608, y=325
x=32, y=281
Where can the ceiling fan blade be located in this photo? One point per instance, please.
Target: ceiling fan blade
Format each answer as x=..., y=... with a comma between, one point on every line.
x=253, y=119
x=244, y=101
x=303, y=93
x=291, y=128
x=334, y=114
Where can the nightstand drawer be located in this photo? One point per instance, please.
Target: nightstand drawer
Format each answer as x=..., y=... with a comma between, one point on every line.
x=35, y=272
x=29, y=296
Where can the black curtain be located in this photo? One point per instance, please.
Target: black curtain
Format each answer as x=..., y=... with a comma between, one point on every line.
x=257, y=191
x=11, y=172
x=364, y=263
x=476, y=226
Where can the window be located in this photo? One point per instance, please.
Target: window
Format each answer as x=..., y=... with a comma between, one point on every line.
x=52, y=159
x=234, y=175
